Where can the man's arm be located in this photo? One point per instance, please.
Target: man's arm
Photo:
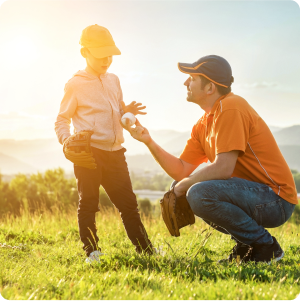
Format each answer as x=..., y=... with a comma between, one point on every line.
x=173, y=166
x=221, y=169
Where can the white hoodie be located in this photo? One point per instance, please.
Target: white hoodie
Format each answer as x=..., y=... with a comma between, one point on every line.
x=93, y=103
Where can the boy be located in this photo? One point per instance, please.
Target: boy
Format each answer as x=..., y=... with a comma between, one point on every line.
x=93, y=100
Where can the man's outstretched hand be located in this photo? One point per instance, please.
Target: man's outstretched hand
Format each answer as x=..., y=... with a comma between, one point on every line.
x=134, y=108
x=139, y=133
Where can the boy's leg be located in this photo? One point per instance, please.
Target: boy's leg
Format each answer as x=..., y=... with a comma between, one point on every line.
x=243, y=208
x=116, y=182
x=88, y=183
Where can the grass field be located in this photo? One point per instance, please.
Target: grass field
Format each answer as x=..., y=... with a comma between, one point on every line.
x=41, y=258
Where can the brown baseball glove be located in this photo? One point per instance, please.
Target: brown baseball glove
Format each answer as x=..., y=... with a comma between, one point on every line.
x=77, y=149
x=176, y=212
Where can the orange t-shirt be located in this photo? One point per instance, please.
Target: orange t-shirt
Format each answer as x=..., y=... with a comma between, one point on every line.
x=233, y=124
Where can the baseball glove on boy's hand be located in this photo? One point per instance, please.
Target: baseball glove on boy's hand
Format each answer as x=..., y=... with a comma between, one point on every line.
x=77, y=149
x=176, y=212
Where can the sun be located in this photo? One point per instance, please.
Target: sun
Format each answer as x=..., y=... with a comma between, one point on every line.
x=20, y=50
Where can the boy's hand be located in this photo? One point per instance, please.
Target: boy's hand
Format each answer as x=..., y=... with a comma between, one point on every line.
x=139, y=132
x=135, y=108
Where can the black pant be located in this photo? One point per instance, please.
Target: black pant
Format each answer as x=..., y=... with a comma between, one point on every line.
x=112, y=173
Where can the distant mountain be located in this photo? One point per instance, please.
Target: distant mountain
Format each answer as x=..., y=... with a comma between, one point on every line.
x=177, y=144
x=146, y=163
x=27, y=156
x=10, y=165
x=285, y=136
x=49, y=160
x=165, y=138
x=274, y=128
x=20, y=148
x=291, y=153
x=143, y=163
x=40, y=154
x=288, y=136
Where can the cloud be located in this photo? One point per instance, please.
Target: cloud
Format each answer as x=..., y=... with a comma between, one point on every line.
x=15, y=116
x=259, y=85
x=132, y=76
x=18, y=125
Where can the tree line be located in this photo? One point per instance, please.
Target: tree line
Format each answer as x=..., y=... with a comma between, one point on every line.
x=52, y=190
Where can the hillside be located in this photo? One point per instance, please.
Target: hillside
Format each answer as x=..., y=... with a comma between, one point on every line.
x=20, y=148
x=291, y=153
x=28, y=156
x=10, y=165
x=288, y=136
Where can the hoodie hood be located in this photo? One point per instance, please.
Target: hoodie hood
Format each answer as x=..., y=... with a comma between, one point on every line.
x=86, y=75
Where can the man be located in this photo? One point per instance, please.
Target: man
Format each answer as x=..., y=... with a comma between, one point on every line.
x=248, y=186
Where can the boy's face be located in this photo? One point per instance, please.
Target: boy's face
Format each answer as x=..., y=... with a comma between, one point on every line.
x=100, y=66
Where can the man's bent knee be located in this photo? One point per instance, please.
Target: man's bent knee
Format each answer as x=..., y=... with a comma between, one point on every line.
x=194, y=198
x=201, y=199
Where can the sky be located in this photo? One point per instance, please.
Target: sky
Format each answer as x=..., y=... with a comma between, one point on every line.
x=40, y=52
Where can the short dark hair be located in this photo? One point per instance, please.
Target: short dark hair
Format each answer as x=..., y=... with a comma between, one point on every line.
x=221, y=90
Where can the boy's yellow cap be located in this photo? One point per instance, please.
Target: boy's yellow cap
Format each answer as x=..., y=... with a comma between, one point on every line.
x=98, y=41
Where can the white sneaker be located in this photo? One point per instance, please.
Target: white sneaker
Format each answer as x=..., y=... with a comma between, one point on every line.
x=159, y=251
x=94, y=257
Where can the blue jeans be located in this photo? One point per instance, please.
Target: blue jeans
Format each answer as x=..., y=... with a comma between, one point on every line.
x=239, y=207
x=112, y=173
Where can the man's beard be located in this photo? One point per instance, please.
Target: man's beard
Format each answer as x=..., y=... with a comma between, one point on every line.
x=190, y=98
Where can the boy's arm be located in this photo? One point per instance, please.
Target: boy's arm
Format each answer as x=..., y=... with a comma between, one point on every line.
x=134, y=108
x=67, y=109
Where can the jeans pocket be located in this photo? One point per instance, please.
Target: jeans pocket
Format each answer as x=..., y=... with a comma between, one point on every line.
x=270, y=215
x=288, y=209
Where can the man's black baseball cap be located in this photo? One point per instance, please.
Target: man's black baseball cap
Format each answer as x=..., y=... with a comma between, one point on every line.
x=213, y=67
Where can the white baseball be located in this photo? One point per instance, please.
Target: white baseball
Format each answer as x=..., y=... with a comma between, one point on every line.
x=130, y=117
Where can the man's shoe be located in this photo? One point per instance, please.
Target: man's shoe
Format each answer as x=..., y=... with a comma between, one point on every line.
x=240, y=250
x=94, y=257
x=267, y=253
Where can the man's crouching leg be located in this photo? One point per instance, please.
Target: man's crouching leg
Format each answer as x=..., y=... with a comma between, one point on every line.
x=242, y=208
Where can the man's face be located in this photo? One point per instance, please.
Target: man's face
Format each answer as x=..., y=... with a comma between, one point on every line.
x=98, y=65
x=194, y=91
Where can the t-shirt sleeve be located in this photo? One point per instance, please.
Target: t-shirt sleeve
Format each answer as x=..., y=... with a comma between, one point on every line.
x=232, y=130
x=67, y=109
x=193, y=152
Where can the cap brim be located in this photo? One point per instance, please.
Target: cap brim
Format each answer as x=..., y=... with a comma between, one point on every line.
x=191, y=69
x=101, y=52
x=187, y=68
